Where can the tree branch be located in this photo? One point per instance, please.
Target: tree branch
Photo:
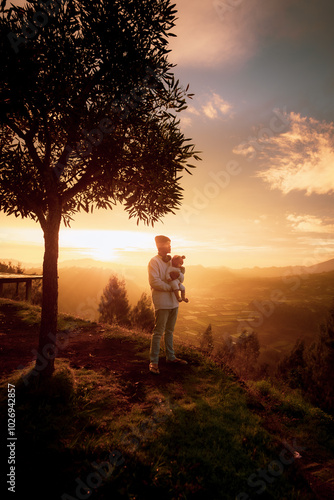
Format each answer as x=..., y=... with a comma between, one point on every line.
x=81, y=185
x=48, y=143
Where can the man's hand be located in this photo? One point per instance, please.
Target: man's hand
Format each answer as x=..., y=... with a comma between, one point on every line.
x=174, y=275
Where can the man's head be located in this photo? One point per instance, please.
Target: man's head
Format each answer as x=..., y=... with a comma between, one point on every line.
x=163, y=244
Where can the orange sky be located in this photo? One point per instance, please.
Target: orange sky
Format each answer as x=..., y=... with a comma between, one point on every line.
x=263, y=118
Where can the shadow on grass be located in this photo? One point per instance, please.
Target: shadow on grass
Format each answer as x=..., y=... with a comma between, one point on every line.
x=200, y=441
x=211, y=446
x=45, y=415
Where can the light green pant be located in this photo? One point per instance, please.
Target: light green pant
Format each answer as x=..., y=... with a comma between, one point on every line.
x=165, y=320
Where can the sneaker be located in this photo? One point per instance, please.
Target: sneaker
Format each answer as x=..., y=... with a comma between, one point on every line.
x=178, y=361
x=154, y=368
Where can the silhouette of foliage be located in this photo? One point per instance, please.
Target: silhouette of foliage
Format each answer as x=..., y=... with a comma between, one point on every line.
x=114, y=305
x=292, y=367
x=12, y=290
x=241, y=354
x=311, y=368
x=12, y=269
x=142, y=314
x=206, y=341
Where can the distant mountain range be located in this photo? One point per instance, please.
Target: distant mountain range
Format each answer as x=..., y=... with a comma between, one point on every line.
x=81, y=282
x=322, y=267
x=211, y=272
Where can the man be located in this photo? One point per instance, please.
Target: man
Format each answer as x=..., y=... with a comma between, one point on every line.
x=165, y=303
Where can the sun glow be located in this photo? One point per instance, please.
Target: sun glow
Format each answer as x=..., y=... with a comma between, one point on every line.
x=101, y=254
x=104, y=245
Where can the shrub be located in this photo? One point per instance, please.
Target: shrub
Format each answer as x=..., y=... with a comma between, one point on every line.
x=142, y=315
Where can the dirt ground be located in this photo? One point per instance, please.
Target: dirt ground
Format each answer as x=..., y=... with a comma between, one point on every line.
x=84, y=348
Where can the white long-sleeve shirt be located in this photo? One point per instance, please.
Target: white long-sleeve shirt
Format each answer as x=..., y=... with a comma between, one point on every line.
x=162, y=295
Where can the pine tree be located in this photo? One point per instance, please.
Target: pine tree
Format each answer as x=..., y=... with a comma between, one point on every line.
x=226, y=351
x=206, y=341
x=310, y=368
x=247, y=351
x=319, y=363
x=143, y=314
x=114, y=306
x=292, y=367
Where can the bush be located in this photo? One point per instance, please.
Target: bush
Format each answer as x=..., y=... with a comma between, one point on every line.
x=240, y=355
x=206, y=341
x=311, y=368
x=142, y=315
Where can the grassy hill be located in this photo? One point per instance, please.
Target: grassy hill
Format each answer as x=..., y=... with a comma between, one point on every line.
x=105, y=428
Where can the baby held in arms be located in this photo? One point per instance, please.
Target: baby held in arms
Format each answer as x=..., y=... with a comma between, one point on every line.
x=175, y=277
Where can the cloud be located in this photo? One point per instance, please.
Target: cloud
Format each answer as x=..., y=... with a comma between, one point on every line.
x=302, y=158
x=187, y=116
x=205, y=40
x=260, y=219
x=193, y=111
x=32, y=236
x=224, y=32
x=310, y=224
x=216, y=106
x=186, y=122
x=212, y=107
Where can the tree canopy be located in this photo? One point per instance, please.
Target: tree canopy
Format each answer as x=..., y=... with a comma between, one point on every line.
x=88, y=109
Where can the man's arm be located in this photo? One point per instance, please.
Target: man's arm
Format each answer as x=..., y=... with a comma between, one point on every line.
x=155, y=280
x=173, y=275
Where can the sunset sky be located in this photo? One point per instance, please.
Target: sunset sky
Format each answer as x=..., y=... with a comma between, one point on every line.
x=263, y=118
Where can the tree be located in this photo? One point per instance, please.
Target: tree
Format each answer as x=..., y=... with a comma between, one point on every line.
x=206, y=341
x=292, y=366
x=11, y=289
x=8, y=268
x=319, y=361
x=88, y=112
x=114, y=306
x=310, y=368
x=247, y=351
x=240, y=355
x=143, y=314
x=226, y=351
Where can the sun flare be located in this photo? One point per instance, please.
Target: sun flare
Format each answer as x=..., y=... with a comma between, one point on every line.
x=105, y=245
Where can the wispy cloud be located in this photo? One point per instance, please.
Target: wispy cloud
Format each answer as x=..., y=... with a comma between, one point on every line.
x=310, y=224
x=216, y=107
x=302, y=158
x=188, y=115
x=203, y=39
x=211, y=106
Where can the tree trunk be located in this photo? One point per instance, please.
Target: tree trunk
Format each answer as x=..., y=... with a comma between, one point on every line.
x=47, y=349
